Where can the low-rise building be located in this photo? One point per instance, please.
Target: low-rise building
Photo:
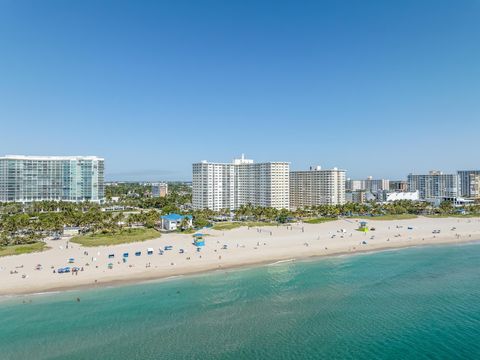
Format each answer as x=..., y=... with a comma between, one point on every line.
x=391, y=196
x=172, y=222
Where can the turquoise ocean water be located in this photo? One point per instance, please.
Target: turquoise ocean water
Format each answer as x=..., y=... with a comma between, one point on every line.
x=418, y=303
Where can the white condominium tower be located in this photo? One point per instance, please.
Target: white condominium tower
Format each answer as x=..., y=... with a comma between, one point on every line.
x=37, y=178
x=317, y=187
x=435, y=185
x=228, y=186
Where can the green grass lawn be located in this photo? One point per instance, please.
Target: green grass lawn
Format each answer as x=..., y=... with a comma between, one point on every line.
x=234, y=225
x=388, y=217
x=22, y=249
x=125, y=236
x=319, y=220
x=453, y=215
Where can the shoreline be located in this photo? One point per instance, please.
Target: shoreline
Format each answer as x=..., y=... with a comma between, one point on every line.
x=156, y=278
x=105, y=266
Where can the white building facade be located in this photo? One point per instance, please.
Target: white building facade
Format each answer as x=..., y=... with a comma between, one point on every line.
x=219, y=186
x=392, y=196
x=59, y=178
x=317, y=187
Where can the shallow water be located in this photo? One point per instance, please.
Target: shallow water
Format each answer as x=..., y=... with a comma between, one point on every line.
x=421, y=303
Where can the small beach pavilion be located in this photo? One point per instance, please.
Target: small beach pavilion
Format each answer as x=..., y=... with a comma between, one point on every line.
x=198, y=239
x=172, y=222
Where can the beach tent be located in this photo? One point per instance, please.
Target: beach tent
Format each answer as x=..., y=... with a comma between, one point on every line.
x=150, y=251
x=111, y=256
x=138, y=253
x=71, y=260
x=125, y=255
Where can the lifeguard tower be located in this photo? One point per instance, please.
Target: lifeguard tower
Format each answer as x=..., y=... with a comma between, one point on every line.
x=363, y=226
x=198, y=240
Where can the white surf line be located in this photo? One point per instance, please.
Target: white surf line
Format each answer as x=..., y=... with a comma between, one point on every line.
x=281, y=261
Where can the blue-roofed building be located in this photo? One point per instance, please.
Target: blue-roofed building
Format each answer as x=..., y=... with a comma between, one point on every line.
x=172, y=222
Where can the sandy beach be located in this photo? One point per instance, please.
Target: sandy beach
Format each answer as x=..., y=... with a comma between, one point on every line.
x=223, y=250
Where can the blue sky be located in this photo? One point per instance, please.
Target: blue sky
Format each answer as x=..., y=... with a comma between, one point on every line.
x=379, y=88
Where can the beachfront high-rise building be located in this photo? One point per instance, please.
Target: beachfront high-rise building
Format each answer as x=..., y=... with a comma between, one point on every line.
x=159, y=189
x=369, y=184
x=60, y=178
x=475, y=186
x=466, y=177
x=317, y=187
x=435, y=185
x=219, y=186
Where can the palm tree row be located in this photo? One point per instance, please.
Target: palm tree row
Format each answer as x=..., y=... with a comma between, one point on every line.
x=29, y=227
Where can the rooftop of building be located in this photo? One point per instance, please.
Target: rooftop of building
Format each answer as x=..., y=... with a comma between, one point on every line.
x=35, y=157
x=318, y=168
x=175, y=217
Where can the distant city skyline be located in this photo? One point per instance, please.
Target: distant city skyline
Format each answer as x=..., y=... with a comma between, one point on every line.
x=150, y=175
x=380, y=89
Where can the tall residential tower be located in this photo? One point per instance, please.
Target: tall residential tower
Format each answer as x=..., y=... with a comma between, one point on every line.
x=317, y=187
x=228, y=186
x=61, y=178
x=468, y=180
x=435, y=185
